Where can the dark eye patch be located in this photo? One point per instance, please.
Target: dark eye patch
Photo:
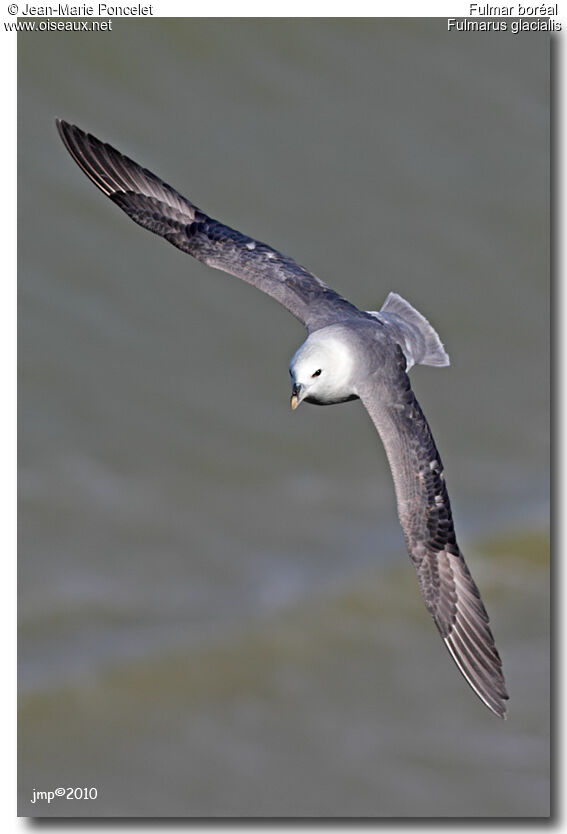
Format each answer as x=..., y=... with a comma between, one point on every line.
x=317, y=373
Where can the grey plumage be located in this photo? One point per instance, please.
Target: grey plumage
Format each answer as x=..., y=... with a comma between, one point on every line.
x=447, y=587
x=384, y=346
x=419, y=341
x=161, y=209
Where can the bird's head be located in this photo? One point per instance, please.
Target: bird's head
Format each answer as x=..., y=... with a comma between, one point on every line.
x=321, y=370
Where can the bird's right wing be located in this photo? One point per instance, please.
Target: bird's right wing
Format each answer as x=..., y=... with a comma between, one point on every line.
x=156, y=206
x=447, y=587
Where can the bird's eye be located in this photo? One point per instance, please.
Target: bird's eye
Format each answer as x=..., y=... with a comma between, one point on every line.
x=317, y=373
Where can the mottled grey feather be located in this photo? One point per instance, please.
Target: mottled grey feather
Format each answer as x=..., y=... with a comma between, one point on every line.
x=450, y=593
x=160, y=208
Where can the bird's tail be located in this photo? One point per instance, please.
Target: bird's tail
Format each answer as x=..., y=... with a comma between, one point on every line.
x=417, y=338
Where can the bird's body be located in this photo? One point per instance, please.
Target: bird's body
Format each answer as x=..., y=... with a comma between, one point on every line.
x=348, y=354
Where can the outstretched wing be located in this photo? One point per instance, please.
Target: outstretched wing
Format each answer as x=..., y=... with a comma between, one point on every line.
x=161, y=209
x=448, y=589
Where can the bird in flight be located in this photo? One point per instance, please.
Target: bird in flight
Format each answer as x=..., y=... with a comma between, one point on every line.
x=349, y=354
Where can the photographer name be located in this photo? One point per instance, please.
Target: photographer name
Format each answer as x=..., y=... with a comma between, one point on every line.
x=100, y=10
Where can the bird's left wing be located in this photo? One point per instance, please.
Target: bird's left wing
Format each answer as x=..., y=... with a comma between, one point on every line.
x=448, y=589
x=156, y=206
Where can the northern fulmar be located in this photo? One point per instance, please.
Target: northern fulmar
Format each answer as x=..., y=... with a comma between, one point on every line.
x=349, y=354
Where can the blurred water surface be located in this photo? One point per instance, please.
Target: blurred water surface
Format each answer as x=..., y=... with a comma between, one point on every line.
x=217, y=613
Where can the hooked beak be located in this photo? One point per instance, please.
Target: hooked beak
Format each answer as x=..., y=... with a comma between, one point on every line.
x=296, y=395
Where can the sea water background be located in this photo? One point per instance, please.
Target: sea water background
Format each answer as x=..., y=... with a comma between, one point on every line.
x=217, y=613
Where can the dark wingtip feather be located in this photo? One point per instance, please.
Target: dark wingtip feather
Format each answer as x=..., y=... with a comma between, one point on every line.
x=481, y=669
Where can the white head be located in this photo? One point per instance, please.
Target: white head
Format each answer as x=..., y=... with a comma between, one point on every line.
x=321, y=369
